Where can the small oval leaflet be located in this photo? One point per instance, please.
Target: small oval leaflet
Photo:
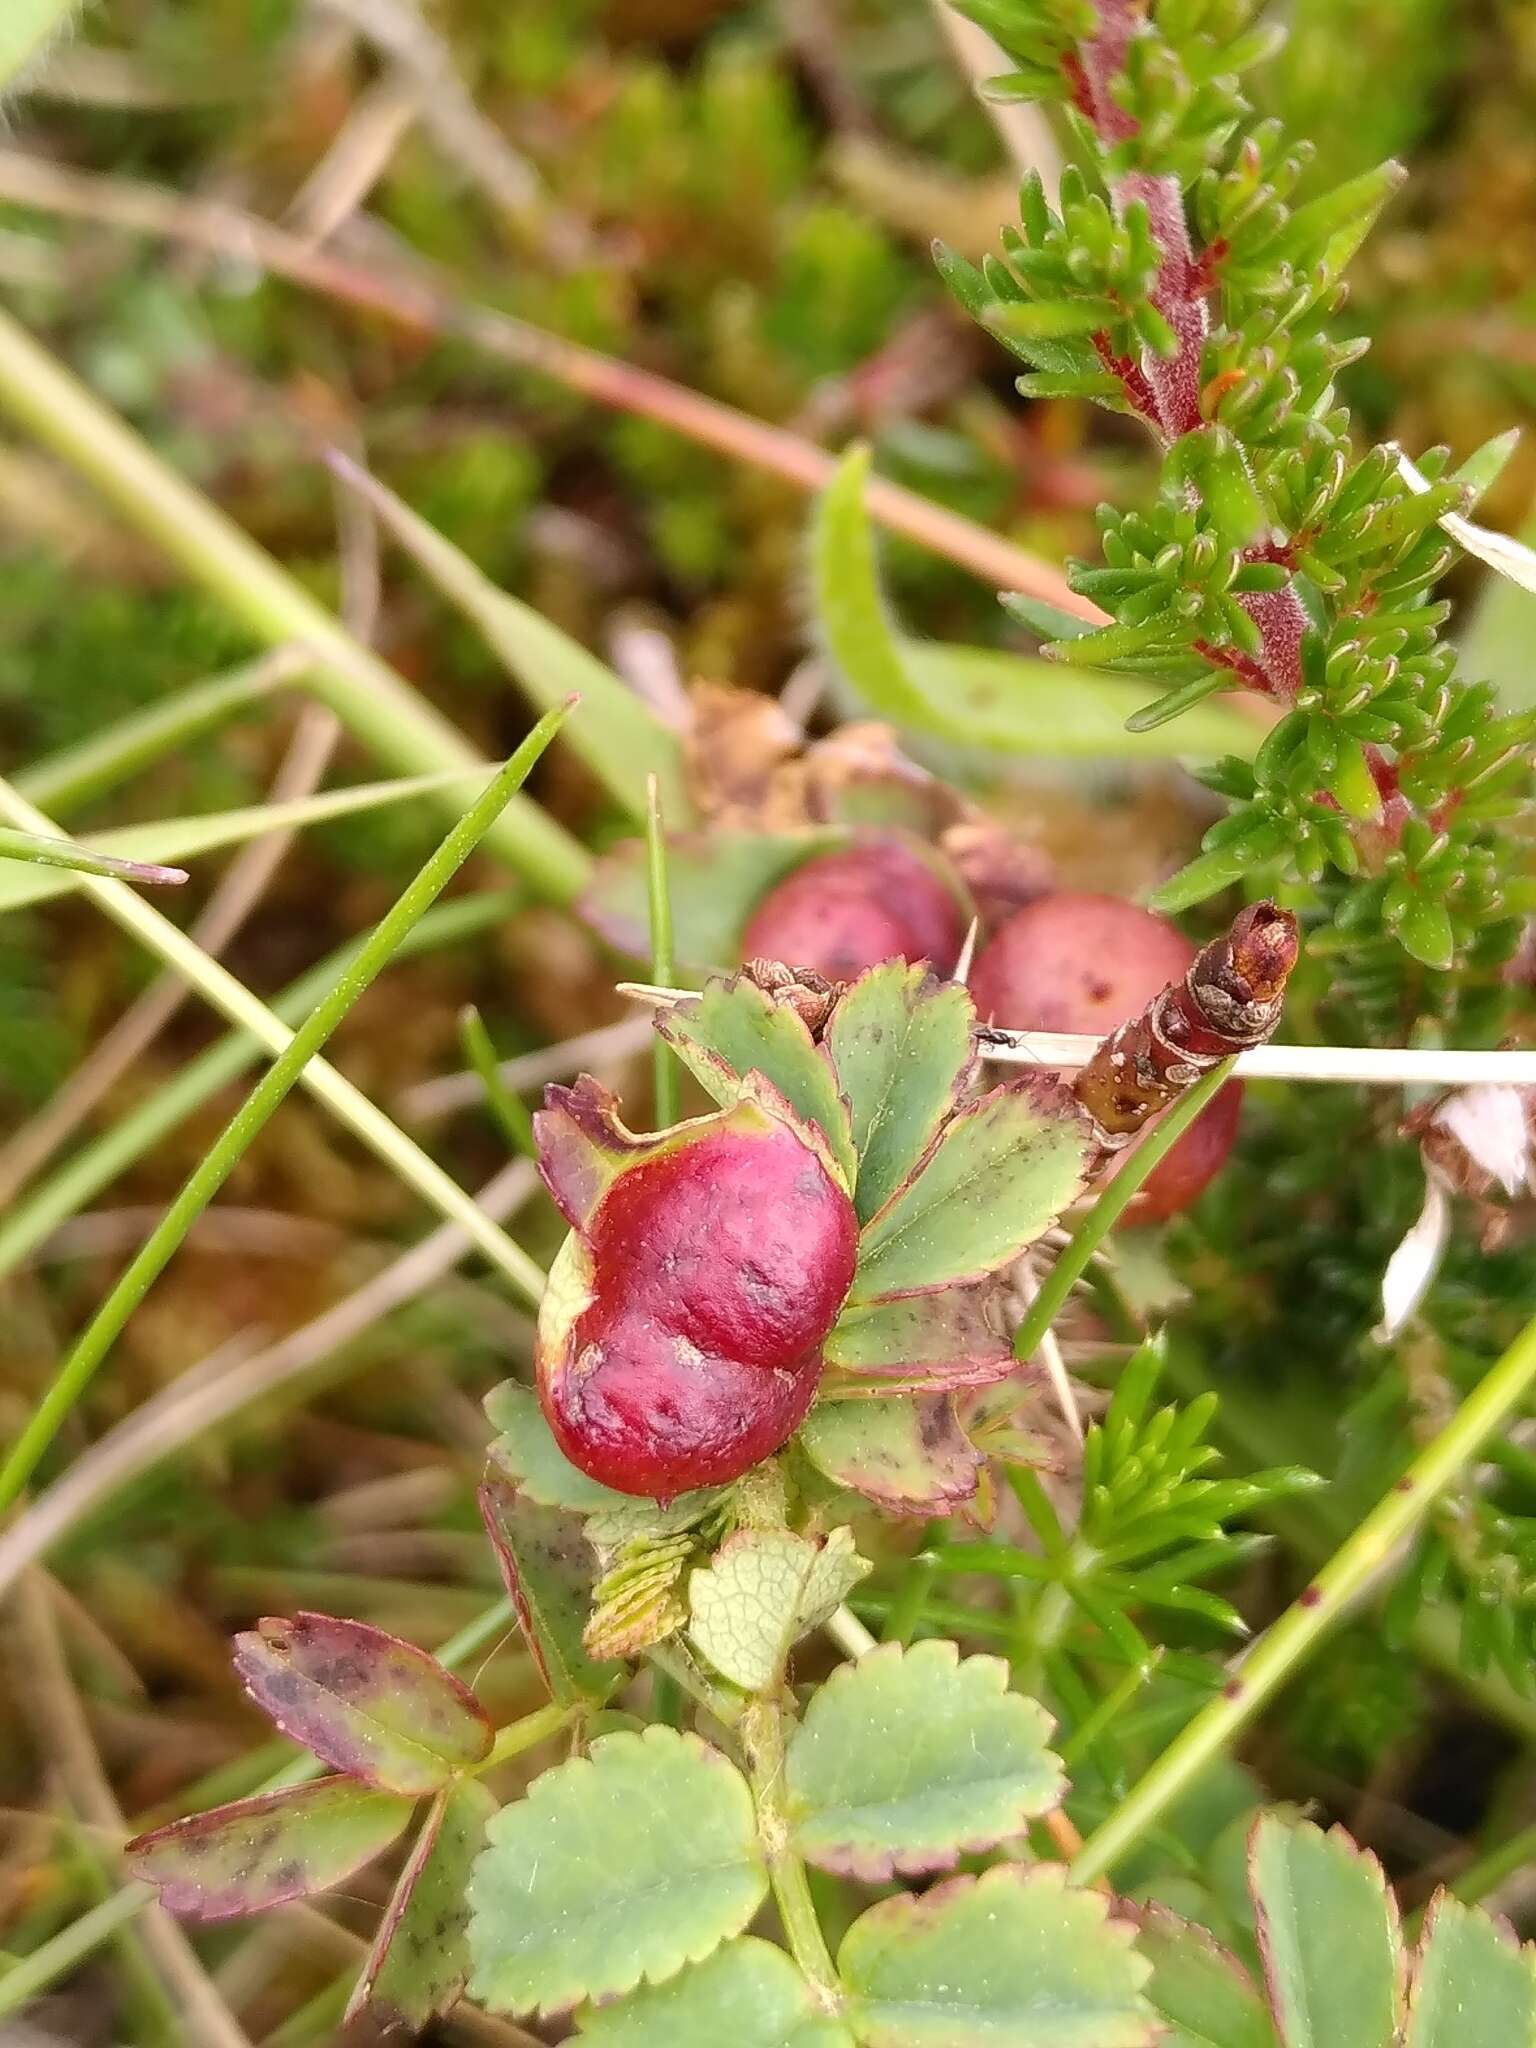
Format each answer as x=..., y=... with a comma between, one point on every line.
x=264, y=1851
x=366, y=1702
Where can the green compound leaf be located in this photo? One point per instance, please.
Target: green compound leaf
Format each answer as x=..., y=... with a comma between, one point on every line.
x=736, y=1022
x=1202, y=1993
x=910, y=1759
x=262, y=1852
x=714, y=881
x=419, y=1961
x=955, y=1336
x=1014, y=1959
x=618, y=1868
x=748, y=1994
x=363, y=1701
x=1473, y=1985
x=547, y=1563
x=1328, y=1933
x=999, y=1174
x=764, y=1589
x=527, y=1453
x=907, y=1453
x=901, y=1048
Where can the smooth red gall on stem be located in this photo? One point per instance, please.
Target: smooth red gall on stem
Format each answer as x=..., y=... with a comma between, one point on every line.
x=1074, y=961
x=681, y=1342
x=842, y=913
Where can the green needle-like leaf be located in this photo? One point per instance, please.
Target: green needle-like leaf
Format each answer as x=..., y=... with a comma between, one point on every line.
x=1014, y=1959
x=749, y=1994
x=910, y=1759
x=618, y=1867
x=1328, y=1933
x=32, y=849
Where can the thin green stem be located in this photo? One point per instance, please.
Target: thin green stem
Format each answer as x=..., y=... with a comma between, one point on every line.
x=234, y=1000
x=509, y=1110
x=764, y=1733
x=97, y=1164
x=527, y=1733
x=663, y=958
x=1281, y=1649
x=36, y=851
x=366, y=694
x=204, y=1182
x=63, y=781
x=1110, y=1207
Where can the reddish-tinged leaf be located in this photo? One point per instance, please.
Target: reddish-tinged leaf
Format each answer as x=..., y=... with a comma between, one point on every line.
x=262, y=1852
x=909, y=1455
x=419, y=1961
x=954, y=1338
x=550, y=1571
x=365, y=1702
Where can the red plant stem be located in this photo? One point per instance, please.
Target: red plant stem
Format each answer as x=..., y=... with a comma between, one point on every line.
x=1172, y=383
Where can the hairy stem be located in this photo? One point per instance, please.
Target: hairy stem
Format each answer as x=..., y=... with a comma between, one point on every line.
x=764, y=1729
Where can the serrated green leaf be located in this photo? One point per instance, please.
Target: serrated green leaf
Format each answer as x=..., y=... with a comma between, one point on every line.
x=1203, y=1994
x=901, y=1048
x=365, y=1702
x=616, y=733
x=549, y=1569
x=955, y=1336
x=527, y=1453
x=762, y=1591
x=1474, y=1985
x=617, y=1868
x=419, y=1960
x=736, y=1022
x=911, y=1758
x=999, y=1175
x=1328, y=1933
x=261, y=1852
x=748, y=1994
x=907, y=1453
x=1014, y=1959
x=714, y=882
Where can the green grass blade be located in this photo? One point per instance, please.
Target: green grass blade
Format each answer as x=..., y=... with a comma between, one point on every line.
x=663, y=956
x=30, y=850
x=96, y=1165
x=215, y=1168
x=74, y=775
x=374, y=703
x=509, y=1110
x=186, y=838
x=616, y=733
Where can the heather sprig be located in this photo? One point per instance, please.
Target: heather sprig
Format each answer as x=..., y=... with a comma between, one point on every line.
x=1177, y=281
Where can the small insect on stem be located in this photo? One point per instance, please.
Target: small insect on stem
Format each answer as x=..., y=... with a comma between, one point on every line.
x=1228, y=1002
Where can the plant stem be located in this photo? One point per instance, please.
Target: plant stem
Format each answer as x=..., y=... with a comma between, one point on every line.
x=663, y=960
x=369, y=698
x=527, y=1733
x=763, y=1729
x=215, y=1168
x=1108, y=1209
x=509, y=1110
x=1281, y=1649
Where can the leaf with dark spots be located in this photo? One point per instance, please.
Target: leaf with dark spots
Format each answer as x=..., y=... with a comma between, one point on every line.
x=550, y=1571
x=419, y=1962
x=262, y=1852
x=365, y=1702
x=952, y=1338
x=908, y=1455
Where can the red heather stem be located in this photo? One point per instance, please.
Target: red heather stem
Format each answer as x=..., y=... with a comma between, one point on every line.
x=1179, y=292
